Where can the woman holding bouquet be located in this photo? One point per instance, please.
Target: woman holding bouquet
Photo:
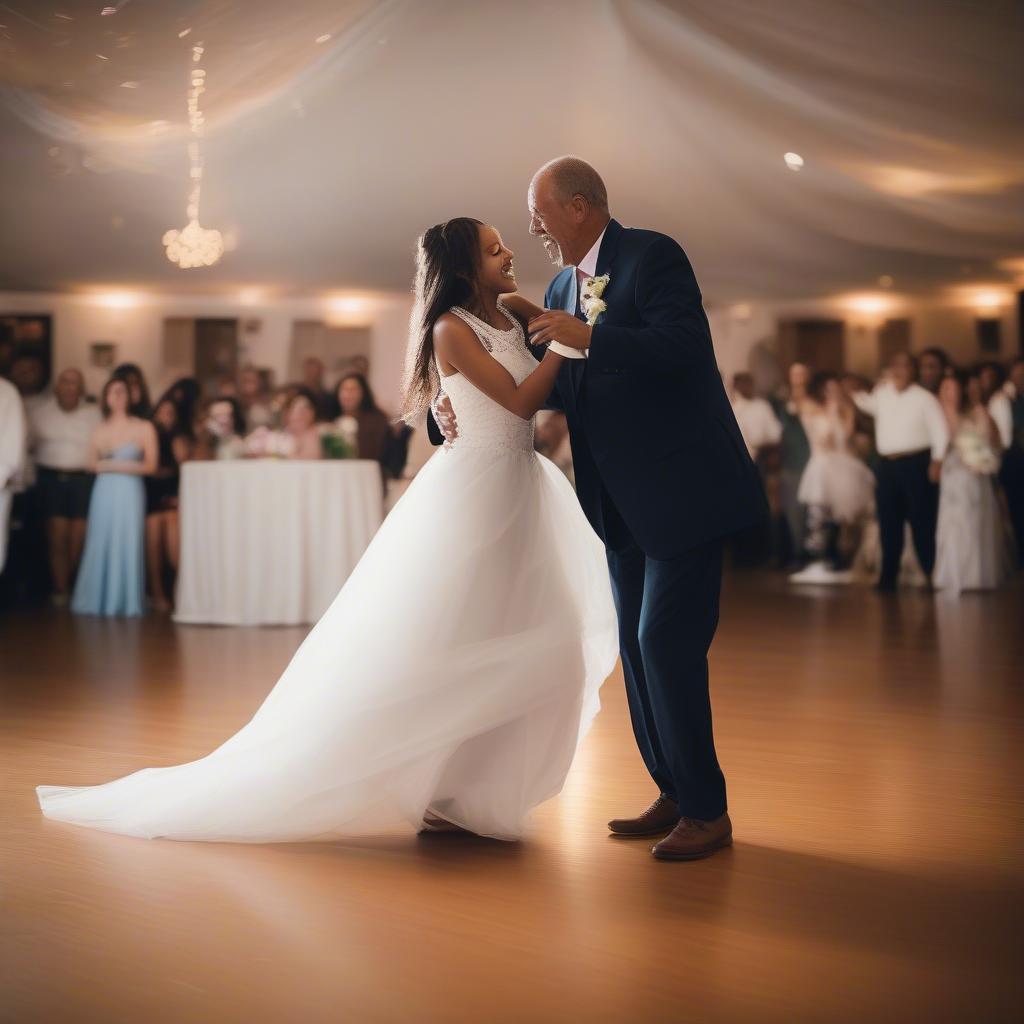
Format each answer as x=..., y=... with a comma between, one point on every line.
x=972, y=552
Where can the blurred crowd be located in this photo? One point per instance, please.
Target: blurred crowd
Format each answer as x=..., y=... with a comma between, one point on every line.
x=917, y=478
x=89, y=486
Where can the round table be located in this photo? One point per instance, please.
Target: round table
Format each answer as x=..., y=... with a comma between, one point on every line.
x=270, y=542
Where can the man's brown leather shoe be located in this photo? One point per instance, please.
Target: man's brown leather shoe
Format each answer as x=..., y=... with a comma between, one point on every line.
x=659, y=818
x=692, y=839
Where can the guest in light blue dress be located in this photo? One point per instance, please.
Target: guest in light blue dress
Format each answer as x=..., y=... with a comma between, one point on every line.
x=111, y=577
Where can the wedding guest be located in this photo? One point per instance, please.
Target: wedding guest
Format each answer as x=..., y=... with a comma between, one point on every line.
x=111, y=580
x=971, y=542
x=162, y=538
x=794, y=452
x=911, y=437
x=325, y=400
x=253, y=399
x=757, y=421
x=300, y=424
x=991, y=379
x=933, y=364
x=60, y=435
x=221, y=433
x=184, y=393
x=28, y=375
x=1012, y=473
x=355, y=399
x=13, y=445
x=138, y=391
x=836, y=488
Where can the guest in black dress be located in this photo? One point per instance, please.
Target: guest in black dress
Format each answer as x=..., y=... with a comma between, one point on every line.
x=162, y=537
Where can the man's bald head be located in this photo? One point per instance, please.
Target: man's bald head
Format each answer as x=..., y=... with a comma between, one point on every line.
x=569, y=176
x=568, y=208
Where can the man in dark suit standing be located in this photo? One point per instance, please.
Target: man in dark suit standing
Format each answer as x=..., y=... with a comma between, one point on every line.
x=662, y=473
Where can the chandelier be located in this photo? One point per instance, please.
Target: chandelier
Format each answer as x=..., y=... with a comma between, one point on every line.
x=194, y=245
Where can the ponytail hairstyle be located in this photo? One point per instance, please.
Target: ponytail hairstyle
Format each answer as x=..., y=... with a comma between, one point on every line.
x=447, y=264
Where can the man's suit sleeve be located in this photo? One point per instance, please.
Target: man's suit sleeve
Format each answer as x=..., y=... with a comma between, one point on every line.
x=674, y=335
x=433, y=430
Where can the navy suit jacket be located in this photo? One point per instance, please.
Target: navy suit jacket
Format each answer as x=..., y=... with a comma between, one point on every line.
x=649, y=421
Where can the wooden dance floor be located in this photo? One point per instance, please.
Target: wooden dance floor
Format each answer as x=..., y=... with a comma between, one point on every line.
x=873, y=750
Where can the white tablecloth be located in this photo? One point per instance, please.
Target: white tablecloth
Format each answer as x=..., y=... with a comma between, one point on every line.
x=268, y=542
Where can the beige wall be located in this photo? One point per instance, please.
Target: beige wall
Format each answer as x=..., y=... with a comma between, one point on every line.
x=741, y=332
x=137, y=330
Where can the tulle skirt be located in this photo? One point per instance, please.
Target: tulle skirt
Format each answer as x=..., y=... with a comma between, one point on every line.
x=457, y=670
x=840, y=482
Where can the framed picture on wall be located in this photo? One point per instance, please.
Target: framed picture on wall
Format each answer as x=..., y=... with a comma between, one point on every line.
x=103, y=355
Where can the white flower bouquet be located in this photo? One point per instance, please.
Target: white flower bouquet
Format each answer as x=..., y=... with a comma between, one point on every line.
x=976, y=451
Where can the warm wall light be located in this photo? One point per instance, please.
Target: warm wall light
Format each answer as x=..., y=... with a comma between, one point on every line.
x=342, y=308
x=984, y=299
x=116, y=299
x=987, y=302
x=740, y=311
x=869, y=305
x=251, y=296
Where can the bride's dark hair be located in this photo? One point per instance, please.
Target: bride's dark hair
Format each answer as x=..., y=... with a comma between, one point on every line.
x=447, y=263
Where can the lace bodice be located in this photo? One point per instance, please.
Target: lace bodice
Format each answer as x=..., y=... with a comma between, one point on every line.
x=483, y=423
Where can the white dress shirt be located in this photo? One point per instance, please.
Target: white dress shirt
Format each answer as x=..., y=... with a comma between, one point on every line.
x=1000, y=409
x=757, y=422
x=60, y=439
x=905, y=421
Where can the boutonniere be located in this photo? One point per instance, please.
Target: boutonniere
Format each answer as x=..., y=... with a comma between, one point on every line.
x=591, y=302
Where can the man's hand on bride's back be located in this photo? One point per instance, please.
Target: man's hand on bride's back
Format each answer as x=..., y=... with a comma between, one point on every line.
x=444, y=414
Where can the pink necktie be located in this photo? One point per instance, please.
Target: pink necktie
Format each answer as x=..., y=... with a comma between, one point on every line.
x=581, y=276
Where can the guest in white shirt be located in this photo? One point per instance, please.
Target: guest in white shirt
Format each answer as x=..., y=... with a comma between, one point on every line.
x=60, y=433
x=757, y=421
x=12, y=455
x=912, y=437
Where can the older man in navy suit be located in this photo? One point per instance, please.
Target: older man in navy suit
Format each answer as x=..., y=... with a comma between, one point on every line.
x=662, y=473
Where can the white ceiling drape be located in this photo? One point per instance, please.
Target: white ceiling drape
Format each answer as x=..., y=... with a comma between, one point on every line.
x=325, y=159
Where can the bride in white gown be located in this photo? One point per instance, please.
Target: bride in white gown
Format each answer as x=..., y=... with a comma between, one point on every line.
x=457, y=670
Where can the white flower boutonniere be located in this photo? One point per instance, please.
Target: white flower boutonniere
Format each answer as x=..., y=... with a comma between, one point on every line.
x=591, y=302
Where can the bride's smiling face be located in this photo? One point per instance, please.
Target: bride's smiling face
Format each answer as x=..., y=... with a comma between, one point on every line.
x=496, y=273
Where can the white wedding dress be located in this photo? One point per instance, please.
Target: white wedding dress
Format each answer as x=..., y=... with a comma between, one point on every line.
x=456, y=671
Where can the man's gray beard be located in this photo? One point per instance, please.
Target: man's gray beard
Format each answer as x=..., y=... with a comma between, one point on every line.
x=553, y=249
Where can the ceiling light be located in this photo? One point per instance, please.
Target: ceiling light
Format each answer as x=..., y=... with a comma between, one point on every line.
x=794, y=161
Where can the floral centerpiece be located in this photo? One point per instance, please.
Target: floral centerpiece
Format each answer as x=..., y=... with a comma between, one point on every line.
x=264, y=443
x=340, y=439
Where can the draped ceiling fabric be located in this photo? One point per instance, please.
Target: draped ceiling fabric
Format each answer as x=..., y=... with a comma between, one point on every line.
x=324, y=160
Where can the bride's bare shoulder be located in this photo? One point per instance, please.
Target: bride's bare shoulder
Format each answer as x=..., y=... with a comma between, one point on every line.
x=521, y=306
x=450, y=329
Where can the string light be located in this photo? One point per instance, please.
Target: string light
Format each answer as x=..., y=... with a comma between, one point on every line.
x=194, y=245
